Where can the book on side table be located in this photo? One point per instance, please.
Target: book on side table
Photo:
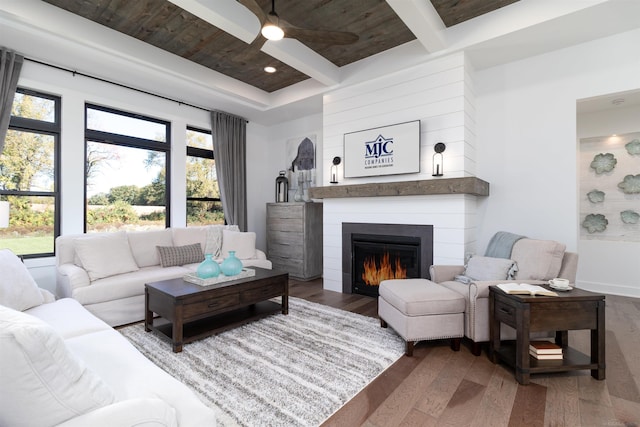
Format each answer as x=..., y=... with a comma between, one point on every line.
x=545, y=350
x=525, y=289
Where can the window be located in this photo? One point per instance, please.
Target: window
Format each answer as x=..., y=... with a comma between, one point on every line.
x=203, y=195
x=29, y=175
x=127, y=170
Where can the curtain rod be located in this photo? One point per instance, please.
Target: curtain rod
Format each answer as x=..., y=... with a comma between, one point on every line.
x=117, y=84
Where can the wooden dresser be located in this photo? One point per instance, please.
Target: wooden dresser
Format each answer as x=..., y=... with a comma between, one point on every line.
x=294, y=238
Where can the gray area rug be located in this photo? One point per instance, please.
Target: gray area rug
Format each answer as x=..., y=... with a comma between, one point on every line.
x=294, y=370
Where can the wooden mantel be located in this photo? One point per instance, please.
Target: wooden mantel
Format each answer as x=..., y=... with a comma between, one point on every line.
x=467, y=185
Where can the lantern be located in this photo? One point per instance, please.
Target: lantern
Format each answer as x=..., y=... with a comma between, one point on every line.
x=282, y=188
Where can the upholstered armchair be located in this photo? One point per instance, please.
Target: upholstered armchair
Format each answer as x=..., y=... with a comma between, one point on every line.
x=536, y=261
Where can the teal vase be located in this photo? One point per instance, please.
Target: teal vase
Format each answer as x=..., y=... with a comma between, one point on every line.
x=208, y=268
x=231, y=266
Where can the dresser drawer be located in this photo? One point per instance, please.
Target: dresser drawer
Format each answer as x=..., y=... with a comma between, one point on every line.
x=505, y=313
x=285, y=224
x=285, y=251
x=209, y=305
x=285, y=237
x=292, y=266
x=285, y=211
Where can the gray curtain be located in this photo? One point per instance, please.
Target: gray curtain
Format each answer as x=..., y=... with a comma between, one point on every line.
x=10, y=65
x=229, y=150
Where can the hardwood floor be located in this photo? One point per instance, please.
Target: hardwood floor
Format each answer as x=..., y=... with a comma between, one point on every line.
x=439, y=387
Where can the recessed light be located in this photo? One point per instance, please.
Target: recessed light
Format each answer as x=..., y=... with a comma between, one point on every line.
x=270, y=69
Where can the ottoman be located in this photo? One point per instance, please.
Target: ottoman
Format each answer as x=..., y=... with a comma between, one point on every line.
x=419, y=309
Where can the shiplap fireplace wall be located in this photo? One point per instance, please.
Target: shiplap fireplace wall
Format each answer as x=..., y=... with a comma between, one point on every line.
x=440, y=95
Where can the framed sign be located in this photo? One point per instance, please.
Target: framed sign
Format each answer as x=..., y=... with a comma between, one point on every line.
x=388, y=150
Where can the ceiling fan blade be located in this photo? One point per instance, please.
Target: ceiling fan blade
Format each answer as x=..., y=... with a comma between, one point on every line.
x=251, y=50
x=320, y=36
x=255, y=8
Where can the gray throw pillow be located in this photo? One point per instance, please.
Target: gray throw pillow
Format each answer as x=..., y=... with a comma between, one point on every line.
x=488, y=268
x=180, y=255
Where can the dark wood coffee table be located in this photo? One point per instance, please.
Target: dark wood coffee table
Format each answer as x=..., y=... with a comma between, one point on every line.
x=189, y=312
x=576, y=309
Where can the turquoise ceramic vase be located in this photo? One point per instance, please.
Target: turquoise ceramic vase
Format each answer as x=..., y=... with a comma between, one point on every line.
x=208, y=268
x=231, y=265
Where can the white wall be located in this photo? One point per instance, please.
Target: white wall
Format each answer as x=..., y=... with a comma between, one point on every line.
x=527, y=146
x=620, y=257
x=75, y=91
x=266, y=157
x=440, y=95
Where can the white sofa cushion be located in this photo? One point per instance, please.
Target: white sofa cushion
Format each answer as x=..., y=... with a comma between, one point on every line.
x=244, y=243
x=131, y=375
x=18, y=290
x=139, y=412
x=41, y=382
x=126, y=285
x=190, y=235
x=537, y=259
x=105, y=255
x=143, y=245
x=68, y=318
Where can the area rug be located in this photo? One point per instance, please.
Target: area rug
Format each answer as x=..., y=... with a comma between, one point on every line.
x=294, y=370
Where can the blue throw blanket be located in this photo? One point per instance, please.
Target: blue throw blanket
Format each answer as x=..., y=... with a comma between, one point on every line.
x=501, y=244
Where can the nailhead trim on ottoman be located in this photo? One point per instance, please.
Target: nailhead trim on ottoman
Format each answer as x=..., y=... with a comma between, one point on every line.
x=419, y=309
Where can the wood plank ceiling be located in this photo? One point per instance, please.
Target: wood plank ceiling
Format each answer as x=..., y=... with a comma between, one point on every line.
x=168, y=27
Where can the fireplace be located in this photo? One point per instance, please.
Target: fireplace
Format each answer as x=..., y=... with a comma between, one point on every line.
x=375, y=252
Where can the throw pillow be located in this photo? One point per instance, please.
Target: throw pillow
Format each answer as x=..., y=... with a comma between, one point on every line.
x=18, y=290
x=538, y=259
x=41, y=382
x=244, y=243
x=104, y=255
x=189, y=236
x=488, y=268
x=171, y=256
x=143, y=242
x=213, y=244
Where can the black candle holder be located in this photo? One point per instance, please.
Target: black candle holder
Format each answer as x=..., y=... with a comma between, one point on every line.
x=334, y=170
x=437, y=162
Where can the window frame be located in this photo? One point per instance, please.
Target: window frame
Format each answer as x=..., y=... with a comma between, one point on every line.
x=54, y=129
x=92, y=135
x=206, y=154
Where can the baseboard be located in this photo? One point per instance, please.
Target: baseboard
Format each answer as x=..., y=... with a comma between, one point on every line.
x=609, y=288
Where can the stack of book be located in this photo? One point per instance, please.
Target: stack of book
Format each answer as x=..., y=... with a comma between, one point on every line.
x=545, y=350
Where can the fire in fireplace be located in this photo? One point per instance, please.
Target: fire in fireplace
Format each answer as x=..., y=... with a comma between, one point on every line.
x=376, y=252
x=375, y=272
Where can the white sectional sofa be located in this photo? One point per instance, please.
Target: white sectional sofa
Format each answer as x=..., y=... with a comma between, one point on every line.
x=106, y=272
x=62, y=366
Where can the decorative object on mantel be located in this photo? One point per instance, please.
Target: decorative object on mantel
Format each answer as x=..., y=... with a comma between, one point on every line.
x=282, y=188
x=334, y=170
x=386, y=150
x=208, y=268
x=231, y=266
x=437, y=162
x=193, y=278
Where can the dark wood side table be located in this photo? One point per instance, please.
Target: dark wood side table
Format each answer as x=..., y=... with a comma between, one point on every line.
x=576, y=309
x=189, y=312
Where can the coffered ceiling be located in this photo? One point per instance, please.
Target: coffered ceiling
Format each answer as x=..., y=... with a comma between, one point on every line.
x=181, y=28
x=209, y=53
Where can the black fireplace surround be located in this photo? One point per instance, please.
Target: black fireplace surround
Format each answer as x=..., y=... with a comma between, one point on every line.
x=409, y=244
